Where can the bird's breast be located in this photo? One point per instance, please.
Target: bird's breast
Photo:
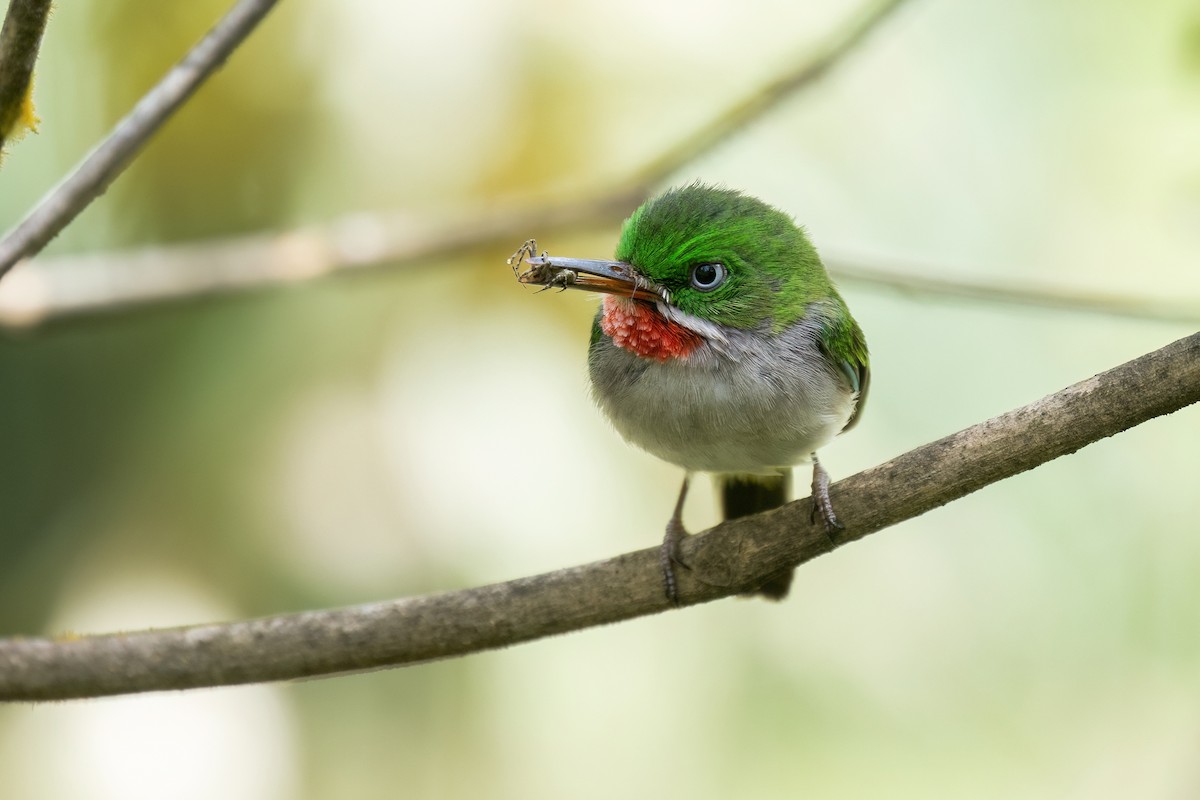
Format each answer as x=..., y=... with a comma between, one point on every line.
x=758, y=401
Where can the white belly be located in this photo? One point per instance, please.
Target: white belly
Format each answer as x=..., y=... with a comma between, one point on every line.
x=759, y=406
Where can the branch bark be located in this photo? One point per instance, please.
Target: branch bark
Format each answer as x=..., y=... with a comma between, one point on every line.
x=724, y=560
x=20, y=39
x=109, y=159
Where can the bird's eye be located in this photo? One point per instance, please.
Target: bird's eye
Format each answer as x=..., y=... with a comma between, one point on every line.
x=707, y=277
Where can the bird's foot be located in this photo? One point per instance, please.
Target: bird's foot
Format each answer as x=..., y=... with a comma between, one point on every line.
x=669, y=555
x=821, y=502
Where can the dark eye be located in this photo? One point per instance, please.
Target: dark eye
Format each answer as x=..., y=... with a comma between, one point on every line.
x=707, y=277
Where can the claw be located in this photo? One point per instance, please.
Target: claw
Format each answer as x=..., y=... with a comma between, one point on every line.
x=669, y=554
x=821, y=502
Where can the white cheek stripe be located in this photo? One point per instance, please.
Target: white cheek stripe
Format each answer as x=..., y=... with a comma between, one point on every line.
x=709, y=330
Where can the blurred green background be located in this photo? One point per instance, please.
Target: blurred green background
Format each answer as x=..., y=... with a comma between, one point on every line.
x=429, y=428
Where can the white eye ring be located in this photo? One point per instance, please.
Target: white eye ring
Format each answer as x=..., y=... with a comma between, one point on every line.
x=708, y=276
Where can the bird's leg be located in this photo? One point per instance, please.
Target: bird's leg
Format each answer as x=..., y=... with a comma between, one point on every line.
x=821, y=503
x=669, y=555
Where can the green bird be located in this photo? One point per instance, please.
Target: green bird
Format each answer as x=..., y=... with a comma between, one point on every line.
x=722, y=346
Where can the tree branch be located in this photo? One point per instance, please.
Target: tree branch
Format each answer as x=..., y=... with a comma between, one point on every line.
x=913, y=279
x=725, y=560
x=109, y=159
x=766, y=98
x=20, y=39
x=93, y=283
x=81, y=285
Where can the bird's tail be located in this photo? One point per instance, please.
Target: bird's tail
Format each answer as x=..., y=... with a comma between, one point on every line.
x=742, y=495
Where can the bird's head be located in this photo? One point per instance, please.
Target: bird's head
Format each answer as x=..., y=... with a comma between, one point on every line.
x=700, y=257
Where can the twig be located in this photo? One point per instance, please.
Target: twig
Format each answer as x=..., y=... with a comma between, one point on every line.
x=20, y=39
x=767, y=97
x=375, y=240
x=725, y=560
x=72, y=286
x=911, y=279
x=86, y=284
x=89, y=180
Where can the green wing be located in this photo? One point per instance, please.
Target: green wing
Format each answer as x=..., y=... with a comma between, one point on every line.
x=843, y=343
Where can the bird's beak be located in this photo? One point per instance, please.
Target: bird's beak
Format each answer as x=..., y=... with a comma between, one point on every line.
x=611, y=277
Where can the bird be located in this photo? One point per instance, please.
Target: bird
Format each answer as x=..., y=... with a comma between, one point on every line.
x=720, y=345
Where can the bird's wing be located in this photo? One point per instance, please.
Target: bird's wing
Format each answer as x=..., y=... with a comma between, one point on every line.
x=843, y=343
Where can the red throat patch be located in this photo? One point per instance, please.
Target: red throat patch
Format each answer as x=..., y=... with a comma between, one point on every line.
x=640, y=329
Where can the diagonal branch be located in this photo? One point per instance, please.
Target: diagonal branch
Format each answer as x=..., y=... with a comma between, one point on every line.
x=725, y=560
x=20, y=39
x=109, y=159
x=766, y=98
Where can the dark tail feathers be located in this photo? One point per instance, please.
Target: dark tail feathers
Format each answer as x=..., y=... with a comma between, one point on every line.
x=742, y=495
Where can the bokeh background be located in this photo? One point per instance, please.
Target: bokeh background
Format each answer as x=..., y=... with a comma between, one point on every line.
x=429, y=428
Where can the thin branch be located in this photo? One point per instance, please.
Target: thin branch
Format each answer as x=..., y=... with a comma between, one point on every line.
x=81, y=285
x=726, y=560
x=376, y=240
x=20, y=39
x=766, y=98
x=71, y=286
x=89, y=180
x=917, y=280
